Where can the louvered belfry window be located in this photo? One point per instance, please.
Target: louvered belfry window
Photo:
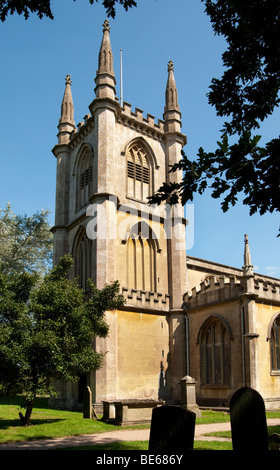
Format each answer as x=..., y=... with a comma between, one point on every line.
x=84, y=179
x=138, y=173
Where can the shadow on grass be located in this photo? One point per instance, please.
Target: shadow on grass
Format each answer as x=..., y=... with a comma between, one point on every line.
x=122, y=446
x=143, y=446
x=41, y=403
x=19, y=400
x=16, y=423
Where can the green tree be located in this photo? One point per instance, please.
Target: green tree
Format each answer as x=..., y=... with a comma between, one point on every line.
x=246, y=94
x=43, y=8
x=47, y=329
x=25, y=242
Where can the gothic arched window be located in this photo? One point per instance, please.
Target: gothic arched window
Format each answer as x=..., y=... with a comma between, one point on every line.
x=83, y=259
x=274, y=337
x=84, y=178
x=214, y=341
x=139, y=172
x=141, y=259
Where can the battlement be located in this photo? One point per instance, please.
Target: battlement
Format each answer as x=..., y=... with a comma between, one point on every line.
x=213, y=289
x=135, y=119
x=267, y=290
x=81, y=131
x=146, y=299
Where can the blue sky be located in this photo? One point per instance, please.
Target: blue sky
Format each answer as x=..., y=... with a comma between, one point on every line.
x=36, y=55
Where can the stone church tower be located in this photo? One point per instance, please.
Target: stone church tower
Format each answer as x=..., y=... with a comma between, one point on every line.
x=107, y=166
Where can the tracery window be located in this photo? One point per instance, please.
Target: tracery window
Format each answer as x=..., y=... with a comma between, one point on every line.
x=83, y=259
x=214, y=340
x=275, y=344
x=141, y=259
x=84, y=178
x=139, y=172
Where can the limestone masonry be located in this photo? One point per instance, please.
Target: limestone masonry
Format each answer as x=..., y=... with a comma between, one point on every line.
x=183, y=316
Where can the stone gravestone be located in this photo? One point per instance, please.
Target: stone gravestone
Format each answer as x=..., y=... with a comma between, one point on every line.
x=172, y=429
x=248, y=421
x=87, y=403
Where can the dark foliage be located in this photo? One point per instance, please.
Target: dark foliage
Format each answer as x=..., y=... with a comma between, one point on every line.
x=245, y=96
x=43, y=8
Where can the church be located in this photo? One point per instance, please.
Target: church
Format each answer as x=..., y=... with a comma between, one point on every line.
x=183, y=316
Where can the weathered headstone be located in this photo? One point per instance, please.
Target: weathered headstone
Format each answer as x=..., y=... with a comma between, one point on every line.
x=172, y=429
x=248, y=421
x=87, y=403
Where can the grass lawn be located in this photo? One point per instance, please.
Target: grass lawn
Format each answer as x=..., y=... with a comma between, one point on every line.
x=143, y=445
x=227, y=434
x=48, y=423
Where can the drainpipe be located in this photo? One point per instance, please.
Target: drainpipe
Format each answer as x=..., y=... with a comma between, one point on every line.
x=187, y=344
x=243, y=346
x=187, y=339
